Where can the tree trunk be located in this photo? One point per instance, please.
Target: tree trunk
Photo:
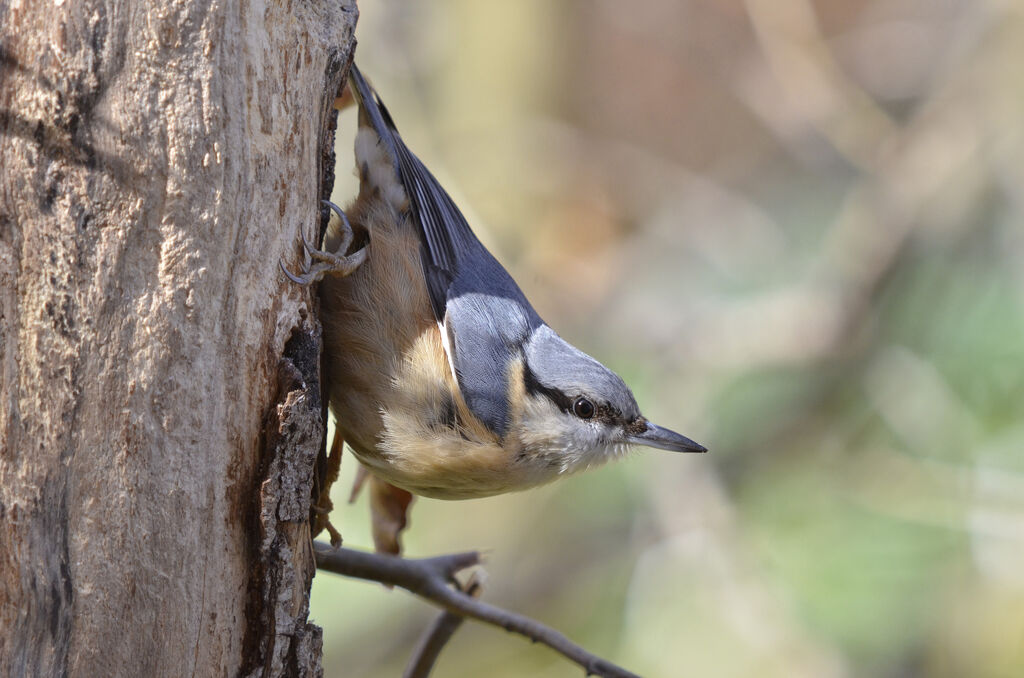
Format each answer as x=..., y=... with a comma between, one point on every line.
x=160, y=411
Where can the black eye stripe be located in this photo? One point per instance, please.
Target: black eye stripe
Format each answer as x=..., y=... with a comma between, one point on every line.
x=602, y=411
x=534, y=387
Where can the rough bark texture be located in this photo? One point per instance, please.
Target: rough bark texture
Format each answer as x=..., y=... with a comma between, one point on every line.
x=156, y=443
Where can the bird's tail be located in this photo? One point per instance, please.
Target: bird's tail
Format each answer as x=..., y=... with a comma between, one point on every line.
x=387, y=164
x=372, y=113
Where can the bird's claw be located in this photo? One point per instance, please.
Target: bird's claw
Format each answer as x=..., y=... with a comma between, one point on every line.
x=346, y=226
x=317, y=263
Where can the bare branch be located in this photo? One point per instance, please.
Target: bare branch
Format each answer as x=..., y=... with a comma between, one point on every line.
x=430, y=578
x=437, y=636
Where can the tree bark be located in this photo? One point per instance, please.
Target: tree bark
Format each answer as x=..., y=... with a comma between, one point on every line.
x=159, y=401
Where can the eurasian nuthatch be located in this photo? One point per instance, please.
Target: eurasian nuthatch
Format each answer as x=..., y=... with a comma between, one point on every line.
x=442, y=377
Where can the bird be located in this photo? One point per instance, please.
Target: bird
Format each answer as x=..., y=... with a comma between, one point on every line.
x=443, y=379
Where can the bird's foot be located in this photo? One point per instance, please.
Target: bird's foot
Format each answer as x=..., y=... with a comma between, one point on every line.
x=321, y=510
x=318, y=263
x=321, y=521
x=389, y=511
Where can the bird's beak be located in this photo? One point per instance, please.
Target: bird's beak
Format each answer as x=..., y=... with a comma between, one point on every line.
x=664, y=439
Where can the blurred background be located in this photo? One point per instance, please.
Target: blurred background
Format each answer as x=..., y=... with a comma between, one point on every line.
x=795, y=228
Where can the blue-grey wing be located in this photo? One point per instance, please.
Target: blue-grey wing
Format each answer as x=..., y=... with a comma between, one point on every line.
x=484, y=312
x=446, y=236
x=488, y=321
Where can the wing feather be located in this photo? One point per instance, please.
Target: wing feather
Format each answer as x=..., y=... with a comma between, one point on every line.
x=446, y=236
x=479, y=308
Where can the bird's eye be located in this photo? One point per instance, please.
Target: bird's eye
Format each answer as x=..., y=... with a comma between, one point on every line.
x=583, y=408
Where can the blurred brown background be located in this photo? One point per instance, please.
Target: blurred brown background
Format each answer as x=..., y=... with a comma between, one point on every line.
x=796, y=229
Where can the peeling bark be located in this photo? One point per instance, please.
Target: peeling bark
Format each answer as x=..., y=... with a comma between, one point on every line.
x=156, y=442
x=280, y=640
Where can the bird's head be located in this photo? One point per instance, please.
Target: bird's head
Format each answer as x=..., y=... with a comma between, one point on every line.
x=575, y=413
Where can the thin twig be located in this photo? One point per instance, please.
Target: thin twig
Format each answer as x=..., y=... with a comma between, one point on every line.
x=430, y=578
x=437, y=635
